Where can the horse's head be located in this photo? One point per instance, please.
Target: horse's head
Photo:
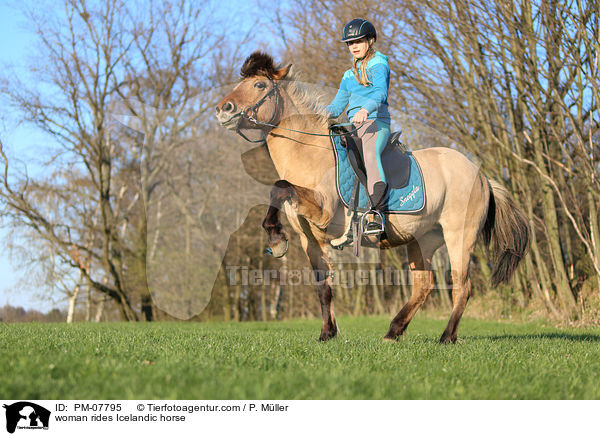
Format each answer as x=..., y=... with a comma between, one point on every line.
x=257, y=97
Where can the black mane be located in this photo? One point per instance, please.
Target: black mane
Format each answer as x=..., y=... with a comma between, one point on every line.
x=258, y=63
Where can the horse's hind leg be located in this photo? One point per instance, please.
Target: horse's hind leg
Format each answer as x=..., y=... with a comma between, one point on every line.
x=420, y=254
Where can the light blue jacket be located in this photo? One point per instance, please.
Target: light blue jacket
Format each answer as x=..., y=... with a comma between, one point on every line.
x=373, y=97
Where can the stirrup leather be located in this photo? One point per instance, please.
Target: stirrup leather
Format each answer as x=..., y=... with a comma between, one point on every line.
x=372, y=227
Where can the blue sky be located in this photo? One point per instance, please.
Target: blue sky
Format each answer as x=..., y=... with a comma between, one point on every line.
x=16, y=42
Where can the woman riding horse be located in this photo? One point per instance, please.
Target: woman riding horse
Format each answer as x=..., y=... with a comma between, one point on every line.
x=364, y=91
x=461, y=202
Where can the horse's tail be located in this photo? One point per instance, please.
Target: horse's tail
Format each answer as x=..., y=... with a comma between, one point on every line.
x=507, y=228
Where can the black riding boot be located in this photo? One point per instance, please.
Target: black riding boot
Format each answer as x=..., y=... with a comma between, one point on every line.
x=379, y=196
x=378, y=201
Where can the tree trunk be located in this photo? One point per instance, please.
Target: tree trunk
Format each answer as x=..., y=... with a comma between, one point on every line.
x=72, y=302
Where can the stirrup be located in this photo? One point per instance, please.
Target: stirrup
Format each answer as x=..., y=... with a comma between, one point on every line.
x=372, y=227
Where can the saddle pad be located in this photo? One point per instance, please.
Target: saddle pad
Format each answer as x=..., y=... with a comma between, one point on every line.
x=409, y=199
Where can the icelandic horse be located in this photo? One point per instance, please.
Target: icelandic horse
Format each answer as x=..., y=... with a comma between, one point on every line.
x=461, y=202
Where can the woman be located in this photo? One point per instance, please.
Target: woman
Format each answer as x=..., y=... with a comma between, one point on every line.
x=363, y=93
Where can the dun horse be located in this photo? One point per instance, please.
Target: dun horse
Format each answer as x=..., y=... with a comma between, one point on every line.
x=461, y=202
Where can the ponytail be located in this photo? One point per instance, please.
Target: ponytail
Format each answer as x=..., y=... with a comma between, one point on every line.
x=362, y=77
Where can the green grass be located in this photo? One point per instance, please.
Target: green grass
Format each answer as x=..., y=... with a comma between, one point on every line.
x=283, y=360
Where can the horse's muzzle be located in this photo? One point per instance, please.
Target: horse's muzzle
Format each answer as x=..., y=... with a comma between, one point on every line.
x=226, y=114
x=228, y=121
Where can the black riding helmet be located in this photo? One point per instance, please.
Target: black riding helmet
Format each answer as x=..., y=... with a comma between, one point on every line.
x=358, y=28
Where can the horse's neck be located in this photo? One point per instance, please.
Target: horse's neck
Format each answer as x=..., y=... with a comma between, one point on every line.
x=301, y=159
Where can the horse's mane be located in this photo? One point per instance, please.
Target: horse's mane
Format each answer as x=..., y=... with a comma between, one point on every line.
x=262, y=64
x=258, y=63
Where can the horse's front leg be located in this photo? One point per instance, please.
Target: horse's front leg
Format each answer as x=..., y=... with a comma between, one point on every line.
x=281, y=192
x=306, y=202
x=317, y=255
x=322, y=272
x=311, y=218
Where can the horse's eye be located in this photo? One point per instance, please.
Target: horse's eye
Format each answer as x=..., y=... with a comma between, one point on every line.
x=260, y=85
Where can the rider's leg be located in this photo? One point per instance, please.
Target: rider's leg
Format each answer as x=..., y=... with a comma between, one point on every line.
x=377, y=136
x=374, y=135
x=374, y=138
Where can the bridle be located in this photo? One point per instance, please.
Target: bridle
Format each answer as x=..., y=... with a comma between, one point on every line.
x=250, y=114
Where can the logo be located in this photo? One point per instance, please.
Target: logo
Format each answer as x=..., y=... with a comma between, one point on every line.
x=410, y=195
x=26, y=415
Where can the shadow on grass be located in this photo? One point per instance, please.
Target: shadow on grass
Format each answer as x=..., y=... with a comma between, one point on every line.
x=573, y=337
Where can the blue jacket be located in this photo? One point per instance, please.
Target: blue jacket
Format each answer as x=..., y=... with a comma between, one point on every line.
x=355, y=96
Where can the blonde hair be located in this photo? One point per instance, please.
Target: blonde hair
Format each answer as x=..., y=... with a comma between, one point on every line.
x=362, y=77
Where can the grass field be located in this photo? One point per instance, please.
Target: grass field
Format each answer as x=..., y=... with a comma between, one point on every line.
x=283, y=360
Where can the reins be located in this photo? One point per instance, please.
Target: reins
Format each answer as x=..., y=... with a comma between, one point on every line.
x=253, y=113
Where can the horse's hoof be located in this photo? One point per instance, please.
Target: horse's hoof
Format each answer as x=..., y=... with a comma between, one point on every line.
x=391, y=339
x=325, y=336
x=278, y=250
x=447, y=340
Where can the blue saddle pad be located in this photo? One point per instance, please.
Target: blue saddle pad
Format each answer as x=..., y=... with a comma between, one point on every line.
x=408, y=199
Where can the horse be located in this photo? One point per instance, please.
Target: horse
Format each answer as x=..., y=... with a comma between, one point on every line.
x=461, y=202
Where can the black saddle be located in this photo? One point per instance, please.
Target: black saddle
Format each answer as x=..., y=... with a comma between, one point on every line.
x=395, y=162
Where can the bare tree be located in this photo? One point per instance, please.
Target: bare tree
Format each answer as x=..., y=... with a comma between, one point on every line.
x=514, y=84
x=136, y=198
x=105, y=60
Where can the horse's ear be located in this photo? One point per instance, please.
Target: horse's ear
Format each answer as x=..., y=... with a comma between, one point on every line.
x=283, y=73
